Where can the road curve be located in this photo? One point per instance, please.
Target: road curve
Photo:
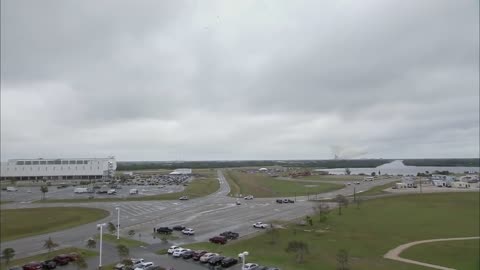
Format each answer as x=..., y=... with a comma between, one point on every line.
x=394, y=254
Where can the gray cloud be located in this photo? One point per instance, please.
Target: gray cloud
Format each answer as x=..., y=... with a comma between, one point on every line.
x=239, y=80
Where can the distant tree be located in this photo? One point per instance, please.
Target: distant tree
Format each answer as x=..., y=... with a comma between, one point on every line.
x=299, y=248
x=342, y=202
x=273, y=232
x=91, y=243
x=342, y=260
x=322, y=209
x=111, y=227
x=49, y=244
x=131, y=233
x=123, y=251
x=8, y=254
x=309, y=220
x=348, y=171
x=81, y=263
x=373, y=174
x=43, y=189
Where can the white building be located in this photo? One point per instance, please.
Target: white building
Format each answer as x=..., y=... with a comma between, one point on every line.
x=182, y=171
x=460, y=185
x=57, y=169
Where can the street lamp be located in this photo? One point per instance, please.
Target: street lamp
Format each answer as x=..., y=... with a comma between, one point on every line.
x=101, y=236
x=242, y=255
x=118, y=222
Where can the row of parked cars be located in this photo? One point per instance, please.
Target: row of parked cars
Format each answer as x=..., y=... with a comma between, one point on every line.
x=137, y=264
x=59, y=260
x=183, y=229
x=213, y=259
x=224, y=237
x=202, y=256
x=285, y=201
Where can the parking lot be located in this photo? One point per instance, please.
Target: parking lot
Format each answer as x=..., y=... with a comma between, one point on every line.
x=29, y=194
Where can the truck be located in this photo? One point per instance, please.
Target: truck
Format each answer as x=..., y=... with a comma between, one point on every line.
x=80, y=190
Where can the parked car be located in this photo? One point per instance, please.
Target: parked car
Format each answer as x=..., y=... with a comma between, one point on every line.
x=179, y=252
x=273, y=268
x=49, y=264
x=291, y=201
x=216, y=260
x=198, y=254
x=152, y=267
x=249, y=197
x=73, y=256
x=238, y=202
x=188, y=254
x=188, y=231
x=279, y=201
x=207, y=256
x=164, y=230
x=249, y=266
x=172, y=249
x=133, y=191
x=260, y=267
x=32, y=266
x=62, y=259
x=218, y=240
x=143, y=265
x=14, y=267
x=183, y=198
x=260, y=225
x=230, y=235
x=357, y=183
x=227, y=262
x=348, y=183
x=178, y=228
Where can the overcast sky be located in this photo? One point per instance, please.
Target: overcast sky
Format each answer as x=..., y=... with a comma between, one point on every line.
x=211, y=80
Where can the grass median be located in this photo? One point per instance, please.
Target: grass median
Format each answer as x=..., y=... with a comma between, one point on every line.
x=45, y=256
x=264, y=186
x=452, y=254
x=197, y=188
x=122, y=241
x=19, y=223
x=366, y=233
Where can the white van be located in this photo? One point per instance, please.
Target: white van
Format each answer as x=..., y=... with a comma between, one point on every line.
x=10, y=189
x=133, y=191
x=80, y=190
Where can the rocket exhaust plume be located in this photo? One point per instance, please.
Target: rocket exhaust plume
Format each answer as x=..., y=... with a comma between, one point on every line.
x=347, y=152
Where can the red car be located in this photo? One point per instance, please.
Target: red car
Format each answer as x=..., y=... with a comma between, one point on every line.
x=73, y=256
x=197, y=254
x=33, y=266
x=62, y=259
x=218, y=240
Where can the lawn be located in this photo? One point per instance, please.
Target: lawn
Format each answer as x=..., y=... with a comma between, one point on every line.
x=366, y=233
x=45, y=256
x=454, y=254
x=122, y=241
x=377, y=190
x=345, y=178
x=260, y=185
x=19, y=223
x=197, y=188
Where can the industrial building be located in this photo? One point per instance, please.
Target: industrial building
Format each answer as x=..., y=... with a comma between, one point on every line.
x=58, y=169
x=182, y=171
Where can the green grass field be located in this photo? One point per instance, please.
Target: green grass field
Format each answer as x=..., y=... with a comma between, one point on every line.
x=344, y=178
x=453, y=254
x=19, y=223
x=366, y=233
x=122, y=241
x=45, y=256
x=377, y=190
x=197, y=188
x=260, y=185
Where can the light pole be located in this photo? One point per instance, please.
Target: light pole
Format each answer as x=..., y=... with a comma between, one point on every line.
x=118, y=222
x=242, y=255
x=101, y=236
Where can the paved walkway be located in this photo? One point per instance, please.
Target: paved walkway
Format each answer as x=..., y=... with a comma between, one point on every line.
x=394, y=254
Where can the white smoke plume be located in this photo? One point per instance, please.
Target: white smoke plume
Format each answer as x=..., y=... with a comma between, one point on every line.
x=347, y=152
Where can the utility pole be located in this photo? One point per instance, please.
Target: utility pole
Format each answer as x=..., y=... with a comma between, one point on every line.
x=354, y=194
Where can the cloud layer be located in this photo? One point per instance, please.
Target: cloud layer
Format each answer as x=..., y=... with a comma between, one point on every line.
x=166, y=80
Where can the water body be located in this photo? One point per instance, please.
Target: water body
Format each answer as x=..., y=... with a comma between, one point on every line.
x=398, y=168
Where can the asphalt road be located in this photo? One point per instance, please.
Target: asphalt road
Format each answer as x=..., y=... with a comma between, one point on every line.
x=208, y=215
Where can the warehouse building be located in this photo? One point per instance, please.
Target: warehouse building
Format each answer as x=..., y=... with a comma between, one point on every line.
x=58, y=169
